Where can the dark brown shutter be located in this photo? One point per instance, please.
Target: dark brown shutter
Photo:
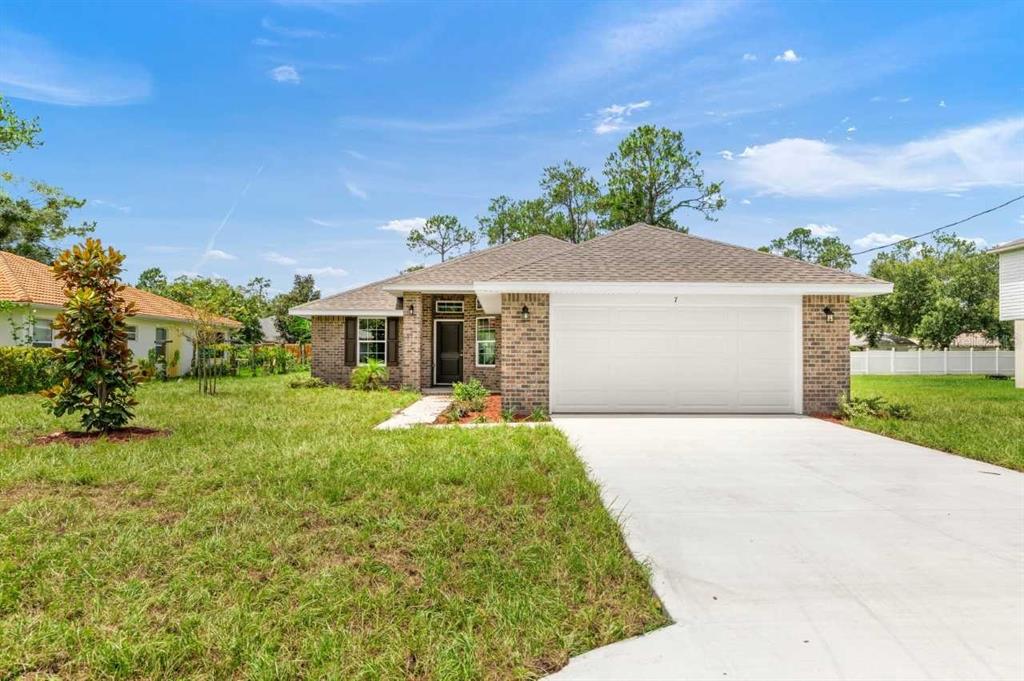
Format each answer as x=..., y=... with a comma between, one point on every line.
x=393, y=341
x=350, y=341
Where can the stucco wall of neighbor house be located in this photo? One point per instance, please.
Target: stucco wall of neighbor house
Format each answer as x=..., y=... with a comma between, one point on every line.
x=525, y=349
x=145, y=335
x=328, y=363
x=826, y=355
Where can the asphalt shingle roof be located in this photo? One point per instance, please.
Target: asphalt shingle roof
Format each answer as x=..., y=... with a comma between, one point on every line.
x=23, y=280
x=368, y=297
x=642, y=253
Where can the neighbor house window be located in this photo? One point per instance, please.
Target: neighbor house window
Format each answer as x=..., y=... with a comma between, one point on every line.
x=448, y=306
x=486, y=342
x=161, y=337
x=42, y=334
x=373, y=338
x=133, y=333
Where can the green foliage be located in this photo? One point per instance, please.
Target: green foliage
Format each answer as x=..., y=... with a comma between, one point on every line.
x=470, y=395
x=874, y=406
x=941, y=289
x=573, y=196
x=308, y=382
x=99, y=378
x=295, y=329
x=539, y=414
x=24, y=370
x=645, y=175
x=508, y=220
x=508, y=415
x=252, y=309
x=801, y=244
x=370, y=376
x=442, y=234
x=33, y=214
x=275, y=360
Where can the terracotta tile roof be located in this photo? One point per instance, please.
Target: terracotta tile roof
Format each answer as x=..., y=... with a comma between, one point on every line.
x=368, y=297
x=23, y=280
x=481, y=265
x=642, y=253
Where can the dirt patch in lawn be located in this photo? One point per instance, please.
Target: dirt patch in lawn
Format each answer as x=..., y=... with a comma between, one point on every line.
x=491, y=413
x=78, y=438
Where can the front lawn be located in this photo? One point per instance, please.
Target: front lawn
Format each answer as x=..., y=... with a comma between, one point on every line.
x=973, y=416
x=275, y=535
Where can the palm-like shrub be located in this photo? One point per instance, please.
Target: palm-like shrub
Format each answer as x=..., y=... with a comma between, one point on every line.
x=370, y=376
x=95, y=361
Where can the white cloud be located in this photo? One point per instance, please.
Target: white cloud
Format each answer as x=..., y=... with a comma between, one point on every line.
x=942, y=104
x=1020, y=220
x=323, y=271
x=745, y=202
x=851, y=129
x=749, y=56
x=356, y=155
x=787, y=56
x=112, y=205
x=285, y=73
x=32, y=69
x=265, y=42
x=324, y=223
x=278, y=259
x=613, y=118
x=291, y=31
x=978, y=241
x=903, y=100
x=726, y=154
x=355, y=191
x=404, y=225
x=822, y=230
x=876, y=239
x=986, y=155
x=217, y=254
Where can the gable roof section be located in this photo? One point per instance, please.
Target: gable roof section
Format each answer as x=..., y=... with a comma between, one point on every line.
x=480, y=265
x=642, y=253
x=369, y=298
x=23, y=280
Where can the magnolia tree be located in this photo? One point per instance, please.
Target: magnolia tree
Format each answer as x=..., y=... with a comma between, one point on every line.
x=99, y=376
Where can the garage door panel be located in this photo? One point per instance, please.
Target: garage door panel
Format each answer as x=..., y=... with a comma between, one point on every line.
x=705, y=355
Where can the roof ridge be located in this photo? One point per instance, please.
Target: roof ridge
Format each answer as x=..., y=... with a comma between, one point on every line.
x=489, y=249
x=555, y=255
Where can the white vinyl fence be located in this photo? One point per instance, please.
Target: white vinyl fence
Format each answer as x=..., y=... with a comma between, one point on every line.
x=936, y=362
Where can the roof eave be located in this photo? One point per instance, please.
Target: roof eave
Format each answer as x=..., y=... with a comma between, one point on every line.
x=1016, y=245
x=856, y=290
x=343, y=312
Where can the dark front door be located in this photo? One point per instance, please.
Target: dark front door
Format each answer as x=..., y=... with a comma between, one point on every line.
x=448, y=348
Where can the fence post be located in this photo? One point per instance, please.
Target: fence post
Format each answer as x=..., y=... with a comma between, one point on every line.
x=997, y=361
x=892, y=361
x=945, y=361
x=919, y=361
x=971, y=355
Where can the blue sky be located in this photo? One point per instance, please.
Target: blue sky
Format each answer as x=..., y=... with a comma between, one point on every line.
x=243, y=139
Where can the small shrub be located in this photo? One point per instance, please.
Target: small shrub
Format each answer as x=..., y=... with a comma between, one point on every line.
x=508, y=415
x=310, y=382
x=875, y=407
x=26, y=370
x=538, y=414
x=472, y=395
x=371, y=376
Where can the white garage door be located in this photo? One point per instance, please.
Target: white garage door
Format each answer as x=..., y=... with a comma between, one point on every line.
x=674, y=354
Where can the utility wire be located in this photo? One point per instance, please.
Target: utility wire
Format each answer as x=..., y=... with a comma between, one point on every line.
x=937, y=229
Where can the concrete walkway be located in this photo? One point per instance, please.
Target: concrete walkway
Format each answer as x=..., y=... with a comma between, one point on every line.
x=424, y=410
x=789, y=548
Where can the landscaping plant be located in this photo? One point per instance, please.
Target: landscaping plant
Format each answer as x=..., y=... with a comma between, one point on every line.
x=370, y=376
x=25, y=370
x=875, y=406
x=99, y=376
x=471, y=395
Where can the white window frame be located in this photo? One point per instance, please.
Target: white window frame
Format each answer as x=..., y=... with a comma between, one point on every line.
x=460, y=303
x=360, y=341
x=132, y=333
x=156, y=337
x=46, y=324
x=476, y=344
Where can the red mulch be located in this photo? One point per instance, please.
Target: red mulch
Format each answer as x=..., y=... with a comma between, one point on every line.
x=829, y=417
x=491, y=413
x=77, y=438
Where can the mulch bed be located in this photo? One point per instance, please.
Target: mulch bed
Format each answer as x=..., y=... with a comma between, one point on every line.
x=78, y=438
x=491, y=413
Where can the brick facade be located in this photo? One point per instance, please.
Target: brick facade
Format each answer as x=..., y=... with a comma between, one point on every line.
x=826, y=350
x=524, y=351
x=328, y=363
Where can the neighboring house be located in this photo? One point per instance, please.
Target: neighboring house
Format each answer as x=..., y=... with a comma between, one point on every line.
x=643, y=319
x=1011, y=297
x=886, y=341
x=976, y=340
x=268, y=325
x=33, y=298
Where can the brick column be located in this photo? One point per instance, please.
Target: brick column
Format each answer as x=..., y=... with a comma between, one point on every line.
x=328, y=363
x=524, y=352
x=826, y=349
x=409, y=347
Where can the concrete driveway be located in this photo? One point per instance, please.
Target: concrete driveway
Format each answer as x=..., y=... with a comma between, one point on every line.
x=791, y=548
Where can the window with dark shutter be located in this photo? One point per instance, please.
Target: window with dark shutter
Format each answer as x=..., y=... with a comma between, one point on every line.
x=350, y=341
x=392, y=341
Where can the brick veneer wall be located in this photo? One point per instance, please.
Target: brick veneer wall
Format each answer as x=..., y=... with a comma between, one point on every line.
x=328, y=362
x=826, y=349
x=489, y=376
x=524, y=352
x=410, y=350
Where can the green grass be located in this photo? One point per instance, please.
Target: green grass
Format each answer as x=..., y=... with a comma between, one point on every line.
x=973, y=416
x=275, y=535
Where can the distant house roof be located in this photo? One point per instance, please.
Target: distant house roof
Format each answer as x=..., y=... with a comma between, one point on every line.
x=1014, y=245
x=974, y=340
x=23, y=280
x=642, y=253
x=884, y=340
x=268, y=326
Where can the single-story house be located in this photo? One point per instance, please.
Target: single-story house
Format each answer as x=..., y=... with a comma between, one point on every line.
x=885, y=341
x=642, y=319
x=31, y=297
x=1011, y=298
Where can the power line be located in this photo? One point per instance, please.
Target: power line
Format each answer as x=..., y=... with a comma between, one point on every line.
x=937, y=229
